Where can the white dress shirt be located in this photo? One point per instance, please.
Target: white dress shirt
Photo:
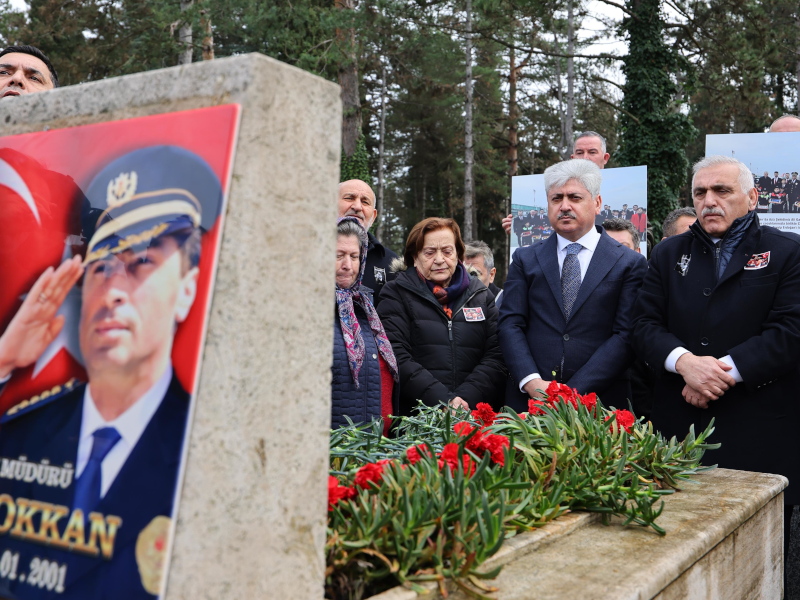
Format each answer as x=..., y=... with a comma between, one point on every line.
x=589, y=242
x=130, y=425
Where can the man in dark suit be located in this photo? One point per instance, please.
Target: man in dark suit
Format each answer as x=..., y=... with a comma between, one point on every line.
x=567, y=300
x=718, y=322
x=106, y=454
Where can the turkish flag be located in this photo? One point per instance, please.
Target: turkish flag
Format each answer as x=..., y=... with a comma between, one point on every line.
x=40, y=212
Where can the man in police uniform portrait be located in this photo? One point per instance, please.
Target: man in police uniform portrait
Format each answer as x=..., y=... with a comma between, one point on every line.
x=718, y=322
x=106, y=455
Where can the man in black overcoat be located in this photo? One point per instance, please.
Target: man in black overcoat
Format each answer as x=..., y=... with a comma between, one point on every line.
x=718, y=321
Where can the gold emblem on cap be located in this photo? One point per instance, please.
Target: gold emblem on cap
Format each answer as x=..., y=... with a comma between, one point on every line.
x=151, y=553
x=121, y=189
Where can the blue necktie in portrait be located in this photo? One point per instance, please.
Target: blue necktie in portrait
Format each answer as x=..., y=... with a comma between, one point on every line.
x=87, y=487
x=570, y=277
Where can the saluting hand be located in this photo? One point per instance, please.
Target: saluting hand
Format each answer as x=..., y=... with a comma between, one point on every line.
x=36, y=323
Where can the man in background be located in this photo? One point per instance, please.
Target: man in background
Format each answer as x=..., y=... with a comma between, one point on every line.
x=678, y=221
x=480, y=260
x=25, y=70
x=624, y=232
x=785, y=123
x=357, y=199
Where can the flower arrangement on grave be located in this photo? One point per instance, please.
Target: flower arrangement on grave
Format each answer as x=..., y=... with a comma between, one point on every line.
x=438, y=499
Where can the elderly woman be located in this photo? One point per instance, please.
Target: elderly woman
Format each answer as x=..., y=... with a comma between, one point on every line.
x=364, y=367
x=442, y=323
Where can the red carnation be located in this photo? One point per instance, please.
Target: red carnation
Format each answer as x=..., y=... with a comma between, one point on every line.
x=495, y=445
x=535, y=407
x=625, y=419
x=464, y=429
x=370, y=472
x=589, y=400
x=415, y=453
x=337, y=492
x=558, y=391
x=484, y=414
x=449, y=457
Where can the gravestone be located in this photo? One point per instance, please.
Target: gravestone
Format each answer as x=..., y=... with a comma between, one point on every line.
x=252, y=509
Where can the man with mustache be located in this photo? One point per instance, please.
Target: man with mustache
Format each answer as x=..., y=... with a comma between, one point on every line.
x=357, y=199
x=567, y=300
x=122, y=433
x=25, y=70
x=718, y=322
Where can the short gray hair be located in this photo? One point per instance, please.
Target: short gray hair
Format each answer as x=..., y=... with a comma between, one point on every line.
x=479, y=248
x=584, y=171
x=622, y=225
x=746, y=181
x=590, y=133
x=350, y=226
x=671, y=221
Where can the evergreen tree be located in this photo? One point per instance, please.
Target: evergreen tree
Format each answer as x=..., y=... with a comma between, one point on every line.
x=654, y=131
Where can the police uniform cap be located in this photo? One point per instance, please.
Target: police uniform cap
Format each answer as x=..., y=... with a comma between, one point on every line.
x=148, y=193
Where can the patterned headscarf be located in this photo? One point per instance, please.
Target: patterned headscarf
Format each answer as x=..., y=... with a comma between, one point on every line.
x=351, y=329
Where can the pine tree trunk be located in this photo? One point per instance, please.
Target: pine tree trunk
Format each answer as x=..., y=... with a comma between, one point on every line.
x=512, y=154
x=348, y=81
x=208, y=35
x=185, y=35
x=381, y=145
x=469, y=151
x=568, y=125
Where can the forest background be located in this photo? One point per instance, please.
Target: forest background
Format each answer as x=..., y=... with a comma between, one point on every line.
x=446, y=100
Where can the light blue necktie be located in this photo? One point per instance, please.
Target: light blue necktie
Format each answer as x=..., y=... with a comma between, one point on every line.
x=570, y=277
x=87, y=487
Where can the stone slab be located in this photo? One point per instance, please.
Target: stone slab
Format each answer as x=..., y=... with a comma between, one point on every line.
x=724, y=540
x=252, y=514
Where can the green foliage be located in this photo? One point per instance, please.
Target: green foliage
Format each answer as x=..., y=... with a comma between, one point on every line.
x=424, y=521
x=356, y=166
x=655, y=130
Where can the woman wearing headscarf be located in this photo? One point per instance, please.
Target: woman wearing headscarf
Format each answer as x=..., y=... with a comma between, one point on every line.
x=364, y=366
x=442, y=323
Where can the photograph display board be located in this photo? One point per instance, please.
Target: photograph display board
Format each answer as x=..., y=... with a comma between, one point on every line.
x=623, y=193
x=774, y=164
x=111, y=238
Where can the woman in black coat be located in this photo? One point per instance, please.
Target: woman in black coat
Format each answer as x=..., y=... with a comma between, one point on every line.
x=442, y=323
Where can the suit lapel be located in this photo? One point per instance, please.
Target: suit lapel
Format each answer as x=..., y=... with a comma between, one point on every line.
x=604, y=258
x=547, y=254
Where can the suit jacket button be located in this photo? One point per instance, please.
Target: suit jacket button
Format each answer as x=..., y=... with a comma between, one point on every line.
x=706, y=291
x=566, y=337
x=704, y=341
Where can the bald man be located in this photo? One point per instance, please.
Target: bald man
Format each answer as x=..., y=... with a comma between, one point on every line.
x=357, y=199
x=785, y=123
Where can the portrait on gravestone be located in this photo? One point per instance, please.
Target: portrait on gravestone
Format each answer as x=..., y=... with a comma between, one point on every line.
x=110, y=237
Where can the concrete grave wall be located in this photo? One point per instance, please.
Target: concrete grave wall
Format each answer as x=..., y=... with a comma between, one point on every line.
x=724, y=541
x=251, y=518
